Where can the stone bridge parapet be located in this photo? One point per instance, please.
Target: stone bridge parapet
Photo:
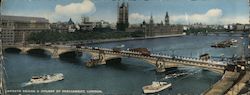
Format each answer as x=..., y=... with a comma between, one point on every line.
x=103, y=55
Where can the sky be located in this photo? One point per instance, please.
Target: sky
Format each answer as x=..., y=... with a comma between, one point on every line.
x=180, y=11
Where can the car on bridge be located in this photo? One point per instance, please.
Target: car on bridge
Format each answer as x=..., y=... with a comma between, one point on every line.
x=95, y=48
x=48, y=44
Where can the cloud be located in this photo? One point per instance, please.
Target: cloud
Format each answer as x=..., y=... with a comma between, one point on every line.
x=212, y=16
x=137, y=17
x=73, y=9
x=214, y=13
x=230, y=20
x=60, y=12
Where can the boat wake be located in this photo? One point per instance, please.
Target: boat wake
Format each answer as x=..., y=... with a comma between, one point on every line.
x=25, y=84
x=183, y=75
x=175, y=75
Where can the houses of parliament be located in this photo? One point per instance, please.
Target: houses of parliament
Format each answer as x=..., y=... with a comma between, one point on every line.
x=156, y=29
x=150, y=28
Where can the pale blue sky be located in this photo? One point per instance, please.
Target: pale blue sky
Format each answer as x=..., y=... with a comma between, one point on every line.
x=180, y=11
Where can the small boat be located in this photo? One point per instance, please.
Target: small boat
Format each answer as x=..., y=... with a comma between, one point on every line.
x=45, y=78
x=156, y=87
x=167, y=77
x=122, y=46
x=234, y=40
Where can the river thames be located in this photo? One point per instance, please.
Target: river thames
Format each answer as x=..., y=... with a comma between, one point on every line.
x=127, y=78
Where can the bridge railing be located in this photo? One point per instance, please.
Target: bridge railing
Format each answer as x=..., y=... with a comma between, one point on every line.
x=138, y=54
x=180, y=59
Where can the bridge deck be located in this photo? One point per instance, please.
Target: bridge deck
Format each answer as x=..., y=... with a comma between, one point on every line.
x=154, y=57
x=176, y=59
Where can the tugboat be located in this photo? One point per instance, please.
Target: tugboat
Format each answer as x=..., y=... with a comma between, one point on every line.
x=155, y=87
x=45, y=78
x=224, y=44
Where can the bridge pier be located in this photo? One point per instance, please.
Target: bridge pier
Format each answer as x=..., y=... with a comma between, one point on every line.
x=161, y=64
x=55, y=56
x=100, y=58
x=23, y=52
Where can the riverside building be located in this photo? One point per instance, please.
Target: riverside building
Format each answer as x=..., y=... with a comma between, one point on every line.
x=15, y=29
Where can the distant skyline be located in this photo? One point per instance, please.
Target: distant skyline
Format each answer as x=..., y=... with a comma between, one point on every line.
x=180, y=11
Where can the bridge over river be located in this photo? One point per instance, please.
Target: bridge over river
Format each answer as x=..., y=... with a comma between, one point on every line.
x=103, y=54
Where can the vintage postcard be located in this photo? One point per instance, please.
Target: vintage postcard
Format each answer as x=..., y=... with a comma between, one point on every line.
x=124, y=47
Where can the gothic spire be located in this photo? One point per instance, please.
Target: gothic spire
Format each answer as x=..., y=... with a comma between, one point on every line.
x=151, y=19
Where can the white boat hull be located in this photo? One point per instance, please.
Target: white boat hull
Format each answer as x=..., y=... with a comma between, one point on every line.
x=148, y=91
x=46, y=81
x=51, y=78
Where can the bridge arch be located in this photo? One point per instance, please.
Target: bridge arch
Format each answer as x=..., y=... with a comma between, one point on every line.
x=115, y=57
x=46, y=51
x=69, y=53
x=12, y=50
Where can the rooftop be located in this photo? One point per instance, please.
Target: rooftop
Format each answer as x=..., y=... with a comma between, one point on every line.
x=25, y=19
